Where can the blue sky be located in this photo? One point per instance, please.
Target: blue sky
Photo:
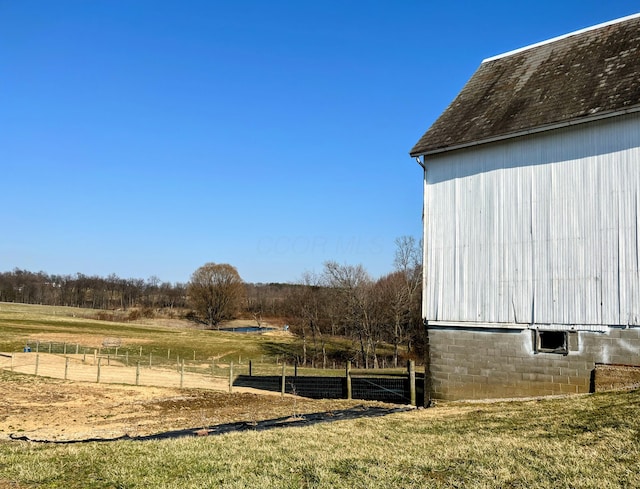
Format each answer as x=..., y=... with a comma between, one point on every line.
x=148, y=137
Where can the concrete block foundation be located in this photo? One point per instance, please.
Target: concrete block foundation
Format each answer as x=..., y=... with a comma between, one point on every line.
x=478, y=363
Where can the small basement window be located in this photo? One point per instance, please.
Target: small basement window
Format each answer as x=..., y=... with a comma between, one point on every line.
x=552, y=342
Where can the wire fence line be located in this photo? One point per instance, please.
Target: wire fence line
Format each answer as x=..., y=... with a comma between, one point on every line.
x=193, y=361
x=111, y=354
x=107, y=370
x=134, y=366
x=366, y=385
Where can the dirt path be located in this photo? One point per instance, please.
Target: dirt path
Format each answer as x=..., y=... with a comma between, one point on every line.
x=47, y=407
x=110, y=372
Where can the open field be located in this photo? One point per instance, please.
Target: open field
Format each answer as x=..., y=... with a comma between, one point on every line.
x=590, y=441
x=166, y=340
x=20, y=323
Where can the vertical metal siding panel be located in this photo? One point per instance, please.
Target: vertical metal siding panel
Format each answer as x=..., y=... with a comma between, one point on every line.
x=620, y=231
x=481, y=247
x=555, y=241
x=501, y=251
x=526, y=263
x=438, y=199
x=432, y=232
x=518, y=209
x=633, y=307
x=462, y=299
x=622, y=244
x=541, y=250
x=609, y=235
x=589, y=266
x=425, y=246
x=541, y=228
x=627, y=238
x=580, y=265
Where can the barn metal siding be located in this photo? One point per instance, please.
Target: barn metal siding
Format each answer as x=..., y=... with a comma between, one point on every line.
x=540, y=229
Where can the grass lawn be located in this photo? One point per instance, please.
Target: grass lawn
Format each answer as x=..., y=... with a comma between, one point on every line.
x=590, y=441
x=584, y=442
x=24, y=323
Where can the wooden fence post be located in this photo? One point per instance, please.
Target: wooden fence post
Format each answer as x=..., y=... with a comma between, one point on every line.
x=77, y=348
x=138, y=373
x=95, y=355
x=37, y=363
x=66, y=368
x=182, y=374
x=284, y=379
x=348, y=376
x=98, y=374
x=250, y=368
x=411, y=366
x=230, y=377
x=38, y=346
x=295, y=368
x=12, y=362
x=149, y=359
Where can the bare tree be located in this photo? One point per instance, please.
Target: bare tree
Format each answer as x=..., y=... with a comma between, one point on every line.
x=407, y=291
x=392, y=300
x=216, y=292
x=352, y=285
x=308, y=308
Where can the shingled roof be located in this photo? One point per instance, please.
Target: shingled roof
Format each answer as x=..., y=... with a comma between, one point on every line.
x=591, y=73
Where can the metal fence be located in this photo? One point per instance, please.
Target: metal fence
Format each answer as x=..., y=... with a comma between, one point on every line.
x=400, y=389
x=368, y=385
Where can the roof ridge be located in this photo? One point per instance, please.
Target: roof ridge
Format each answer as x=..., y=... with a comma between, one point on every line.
x=564, y=36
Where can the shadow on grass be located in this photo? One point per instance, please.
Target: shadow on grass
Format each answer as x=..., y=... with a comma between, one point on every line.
x=284, y=422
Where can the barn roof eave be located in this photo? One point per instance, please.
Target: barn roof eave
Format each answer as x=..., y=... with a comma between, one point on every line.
x=579, y=120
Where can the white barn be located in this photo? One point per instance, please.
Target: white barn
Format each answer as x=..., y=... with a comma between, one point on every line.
x=532, y=218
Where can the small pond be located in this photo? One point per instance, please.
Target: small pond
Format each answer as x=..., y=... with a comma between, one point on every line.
x=247, y=329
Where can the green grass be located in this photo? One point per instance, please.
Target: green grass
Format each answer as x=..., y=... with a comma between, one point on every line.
x=587, y=442
x=23, y=323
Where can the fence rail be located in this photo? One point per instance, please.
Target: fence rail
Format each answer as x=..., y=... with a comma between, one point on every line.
x=366, y=386
x=112, y=364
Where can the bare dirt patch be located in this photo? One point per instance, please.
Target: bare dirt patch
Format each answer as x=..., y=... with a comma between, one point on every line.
x=86, y=340
x=49, y=409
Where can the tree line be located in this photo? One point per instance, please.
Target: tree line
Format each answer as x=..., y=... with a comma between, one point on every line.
x=91, y=292
x=343, y=300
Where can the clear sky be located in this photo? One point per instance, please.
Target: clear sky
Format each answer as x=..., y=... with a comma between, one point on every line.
x=148, y=137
